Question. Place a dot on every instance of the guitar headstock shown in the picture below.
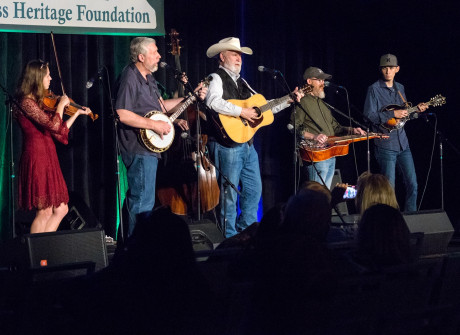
(437, 100)
(175, 47)
(206, 81)
(306, 89)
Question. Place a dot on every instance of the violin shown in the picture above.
(51, 100)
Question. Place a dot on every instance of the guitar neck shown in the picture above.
(356, 138)
(182, 107)
(415, 108)
(275, 102)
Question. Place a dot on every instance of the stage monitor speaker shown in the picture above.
(80, 216)
(57, 250)
(205, 235)
(342, 207)
(436, 227)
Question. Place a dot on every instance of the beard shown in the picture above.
(319, 92)
(236, 69)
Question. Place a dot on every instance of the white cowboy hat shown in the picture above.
(229, 43)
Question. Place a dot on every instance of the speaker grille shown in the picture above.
(66, 247)
(436, 227)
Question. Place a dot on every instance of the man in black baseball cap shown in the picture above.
(319, 123)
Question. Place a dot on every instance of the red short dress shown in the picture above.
(40, 179)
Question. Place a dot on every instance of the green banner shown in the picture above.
(108, 17)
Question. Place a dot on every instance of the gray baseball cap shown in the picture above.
(388, 60)
(315, 72)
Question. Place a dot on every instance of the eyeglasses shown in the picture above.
(317, 79)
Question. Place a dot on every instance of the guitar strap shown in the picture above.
(406, 104)
(245, 83)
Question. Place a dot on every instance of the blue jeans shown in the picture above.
(388, 161)
(240, 165)
(140, 198)
(325, 168)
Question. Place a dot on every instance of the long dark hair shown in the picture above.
(31, 81)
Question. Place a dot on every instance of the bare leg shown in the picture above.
(56, 217)
(41, 218)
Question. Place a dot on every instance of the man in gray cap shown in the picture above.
(394, 151)
(314, 121)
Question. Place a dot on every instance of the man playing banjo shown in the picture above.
(137, 95)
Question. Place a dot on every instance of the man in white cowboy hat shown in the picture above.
(239, 162)
(394, 151)
(319, 123)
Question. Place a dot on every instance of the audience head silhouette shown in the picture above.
(383, 237)
(374, 189)
(308, 212)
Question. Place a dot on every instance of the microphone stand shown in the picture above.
(226, 184)
(295, 154)
(9, 102)
(444, 139)
(116, 119)
(198, 140)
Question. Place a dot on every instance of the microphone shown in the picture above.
(329, 84)
(91, 81)
(165, 65)
(425, 115)
(290, 127)
(262, 68)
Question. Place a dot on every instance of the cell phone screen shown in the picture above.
(350, 192)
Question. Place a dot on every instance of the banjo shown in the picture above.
(151, 140)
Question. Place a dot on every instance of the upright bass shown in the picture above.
(188, 183)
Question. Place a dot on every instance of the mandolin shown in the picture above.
(395, 123)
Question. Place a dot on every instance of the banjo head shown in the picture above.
(152, 140)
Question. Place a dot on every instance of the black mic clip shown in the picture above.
(273, 72)
(332, 85)
(177, 74)
(91, 81)
(425, 116)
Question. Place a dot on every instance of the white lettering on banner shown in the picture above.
(107, 14)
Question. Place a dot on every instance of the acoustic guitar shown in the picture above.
(311, 150)
(151, 140)
(240, 130)
(395, 123)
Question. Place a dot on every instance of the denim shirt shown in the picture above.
(139, 96)
(379, 96)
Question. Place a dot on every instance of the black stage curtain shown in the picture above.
(344, 39)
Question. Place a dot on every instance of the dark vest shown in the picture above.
(231, 91)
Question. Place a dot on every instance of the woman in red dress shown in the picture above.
(41, 184)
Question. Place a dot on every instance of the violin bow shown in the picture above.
(57, 63)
